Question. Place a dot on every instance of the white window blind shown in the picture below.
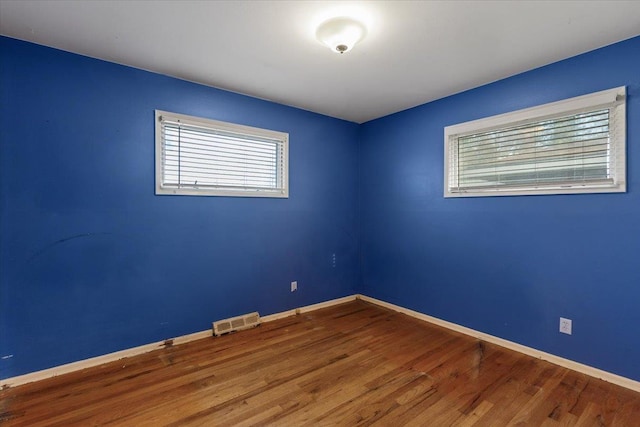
(205, 157)
(572, 146)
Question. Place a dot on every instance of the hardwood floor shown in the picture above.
(352, 364)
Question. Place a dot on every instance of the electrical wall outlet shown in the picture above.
(565, 326)
(294, 286)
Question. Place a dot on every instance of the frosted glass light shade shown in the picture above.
(340, 34)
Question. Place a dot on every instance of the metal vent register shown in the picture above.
(238, 323)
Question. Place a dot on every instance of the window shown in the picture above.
(571, 146)
(204, 157)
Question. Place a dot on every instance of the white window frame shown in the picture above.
(613, 99)
(282, 138)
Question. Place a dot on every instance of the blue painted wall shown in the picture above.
(93, 262)
(508, 266)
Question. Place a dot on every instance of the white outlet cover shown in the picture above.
(565, 326)
(294, 286)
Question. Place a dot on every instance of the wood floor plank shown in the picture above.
(471, 419)
(350, 364)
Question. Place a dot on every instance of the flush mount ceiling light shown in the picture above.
(340, 34)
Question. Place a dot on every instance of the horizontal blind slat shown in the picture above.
(573, 152)
(226, 157)
(571, 121)
(531, 142)
(556, 184)
(206, 143)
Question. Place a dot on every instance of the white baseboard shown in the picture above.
(99, 360)
(134, 351)
(307, 308)
(557, 360)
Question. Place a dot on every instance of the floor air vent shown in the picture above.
(238, 323)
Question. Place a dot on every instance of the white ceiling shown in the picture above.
(414, 52)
